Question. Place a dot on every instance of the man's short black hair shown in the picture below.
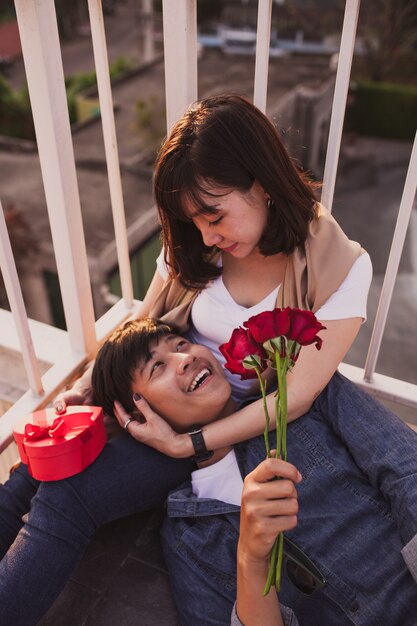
(118, 358)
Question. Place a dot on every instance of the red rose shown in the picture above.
(304, 328)
(241, 346)
(269, 324)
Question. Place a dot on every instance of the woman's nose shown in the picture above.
(209, 237)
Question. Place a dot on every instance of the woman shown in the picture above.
(243, 232)
(223, 184)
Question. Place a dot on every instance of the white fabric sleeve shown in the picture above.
(288, 616)
(161, 265)
(351, 297)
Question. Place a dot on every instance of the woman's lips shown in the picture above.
(229, 248)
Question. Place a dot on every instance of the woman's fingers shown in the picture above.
(59, 405)
(150, 429)
(68, 398)
(81, 393)
(121, 414)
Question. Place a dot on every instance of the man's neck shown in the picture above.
(230, 407)
(217, 456)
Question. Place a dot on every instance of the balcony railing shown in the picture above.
(45, 76)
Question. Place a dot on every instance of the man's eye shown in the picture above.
(155, 366)
(181, 344)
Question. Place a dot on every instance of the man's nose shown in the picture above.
(183, 362)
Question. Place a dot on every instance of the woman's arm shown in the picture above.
(268, 508)
(153, 290)
(310, 375)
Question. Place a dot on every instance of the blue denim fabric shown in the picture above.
(358, 507)
(126, 478)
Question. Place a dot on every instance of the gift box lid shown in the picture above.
(57, 446)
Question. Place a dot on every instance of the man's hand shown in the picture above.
(268, 507)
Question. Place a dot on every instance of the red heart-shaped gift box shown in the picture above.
(58, 446)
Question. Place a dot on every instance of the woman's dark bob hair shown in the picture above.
(226, 142)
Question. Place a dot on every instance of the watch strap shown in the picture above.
(200, 449)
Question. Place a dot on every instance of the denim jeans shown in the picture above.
(40, 550)
(357, 510)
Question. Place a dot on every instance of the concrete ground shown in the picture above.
(122, 579)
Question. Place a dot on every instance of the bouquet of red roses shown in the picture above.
(272, 338)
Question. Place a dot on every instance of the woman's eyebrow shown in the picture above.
(204, 209)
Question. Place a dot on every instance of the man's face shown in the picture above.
(183, 382)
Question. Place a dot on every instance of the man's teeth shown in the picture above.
(199, 379)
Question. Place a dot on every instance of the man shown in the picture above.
(356, 498)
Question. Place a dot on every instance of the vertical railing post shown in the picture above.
(148, 36)
(17, 305)
(263, 37)
(42, 57)
(180, 54)
(110, 146)
(347, 45)
(393, 264)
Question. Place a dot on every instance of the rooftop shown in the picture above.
(122, 578)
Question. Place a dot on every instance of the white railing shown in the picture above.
(43, 63)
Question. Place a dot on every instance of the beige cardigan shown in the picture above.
(314, 272)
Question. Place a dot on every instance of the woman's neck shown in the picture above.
(253, 278)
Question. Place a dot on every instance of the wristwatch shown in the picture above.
(201, 452)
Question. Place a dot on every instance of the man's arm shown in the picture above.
(268, 508)
(383, 447)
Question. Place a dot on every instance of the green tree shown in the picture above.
(389, 31)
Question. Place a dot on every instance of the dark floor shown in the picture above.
(121, 580)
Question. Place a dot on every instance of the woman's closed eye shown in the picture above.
(216, 221)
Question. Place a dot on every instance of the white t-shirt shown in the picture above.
(215, 314)
(221, 481)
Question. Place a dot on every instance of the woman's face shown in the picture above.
(233, 221)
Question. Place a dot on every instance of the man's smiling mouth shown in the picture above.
(199, 379)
